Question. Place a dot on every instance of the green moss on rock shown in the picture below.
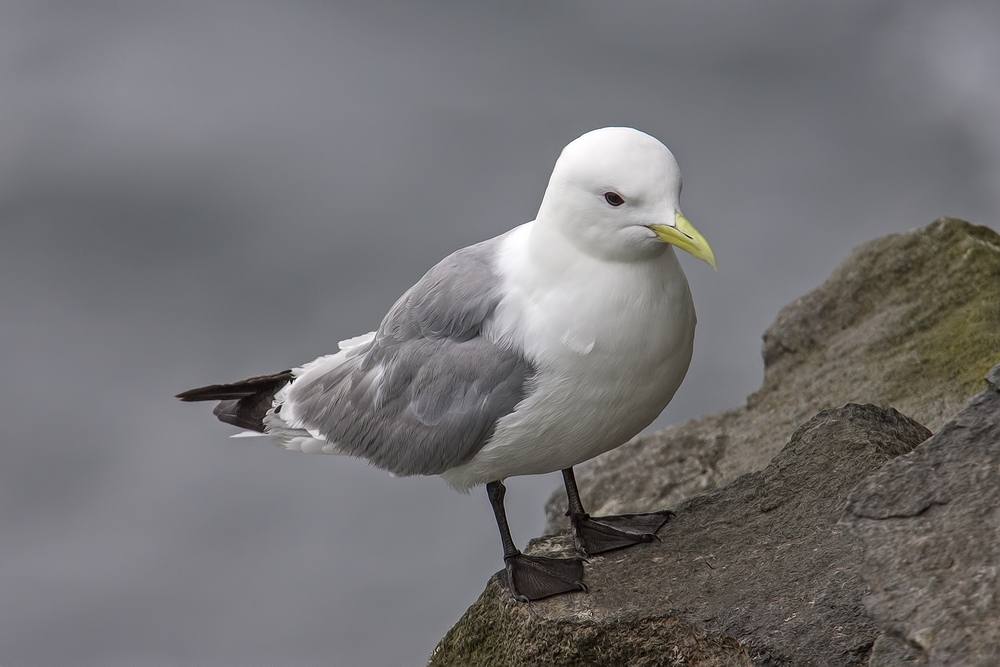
(951, 333)
(909, 320)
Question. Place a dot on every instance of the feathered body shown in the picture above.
(524, 354)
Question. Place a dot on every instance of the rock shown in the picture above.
(929, 523)
(908, 321)
(758, 572)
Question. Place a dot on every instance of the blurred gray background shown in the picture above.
(196, 192)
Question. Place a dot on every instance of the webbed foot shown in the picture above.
(537, 577)
(598, 534)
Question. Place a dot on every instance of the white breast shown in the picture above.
(611, 342)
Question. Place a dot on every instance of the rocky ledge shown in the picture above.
(848, 548)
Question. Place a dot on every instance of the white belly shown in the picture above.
(611, 348)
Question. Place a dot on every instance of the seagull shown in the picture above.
(521, 355)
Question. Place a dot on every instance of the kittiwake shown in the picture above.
(524, 354)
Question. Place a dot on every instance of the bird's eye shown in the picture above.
(613, 198)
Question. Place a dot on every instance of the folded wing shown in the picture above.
(425, 393)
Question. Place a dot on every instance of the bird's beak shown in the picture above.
(683, 235)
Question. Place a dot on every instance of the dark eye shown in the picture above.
(613, 198)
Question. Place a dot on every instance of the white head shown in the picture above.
(615, 194)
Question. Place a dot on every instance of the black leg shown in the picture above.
(496, 492)
(533, 577)
(595, 535)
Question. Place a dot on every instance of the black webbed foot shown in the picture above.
(533, 577)
(595, 535)
(537, 577)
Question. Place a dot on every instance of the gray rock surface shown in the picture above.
(929, 523)
(908, 321)
(758, 572)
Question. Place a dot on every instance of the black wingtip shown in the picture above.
(245, 403)
(212, 392)
(237, 390)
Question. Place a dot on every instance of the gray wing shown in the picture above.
(425, 394)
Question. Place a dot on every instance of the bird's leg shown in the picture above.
(533, 577)
(595, 535)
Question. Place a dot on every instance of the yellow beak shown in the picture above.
(683, 235)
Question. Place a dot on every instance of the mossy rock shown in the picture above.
(928, 302)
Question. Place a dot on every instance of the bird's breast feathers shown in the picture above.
(610, 349)
(593, 318)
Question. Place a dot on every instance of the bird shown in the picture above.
(524, 354)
